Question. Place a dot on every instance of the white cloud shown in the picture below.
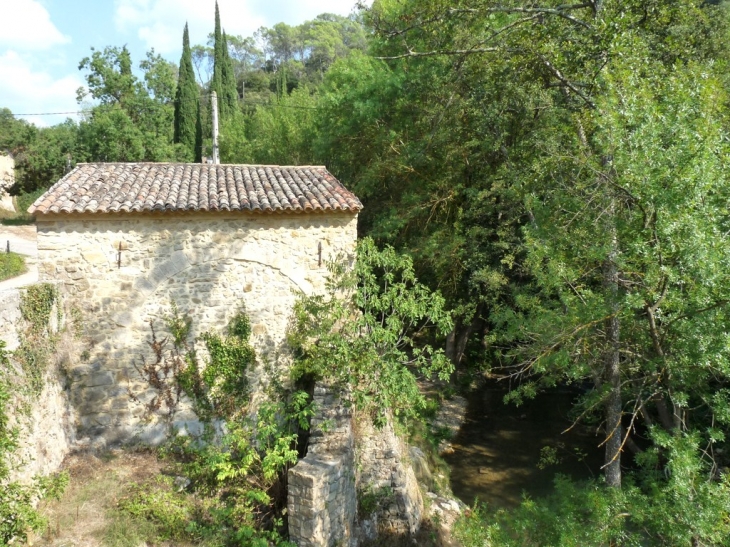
(295, 12)
(159, 23)
(26, 90)
(27, 26)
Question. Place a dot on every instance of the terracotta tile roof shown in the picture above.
(150, 187)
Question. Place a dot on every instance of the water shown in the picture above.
(497, 451)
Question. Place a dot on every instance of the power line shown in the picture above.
(266, 105)
(48, 113)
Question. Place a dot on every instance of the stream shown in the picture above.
(497, 450)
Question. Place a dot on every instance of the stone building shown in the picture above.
(125, 241)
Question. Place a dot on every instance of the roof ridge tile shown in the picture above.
(138, 187)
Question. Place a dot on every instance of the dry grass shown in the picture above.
(86, 516)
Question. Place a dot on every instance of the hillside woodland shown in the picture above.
(557, 177)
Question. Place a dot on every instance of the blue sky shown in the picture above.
(42, 41)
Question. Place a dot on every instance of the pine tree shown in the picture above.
(187, 101)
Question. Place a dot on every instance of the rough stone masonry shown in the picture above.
(122, 273)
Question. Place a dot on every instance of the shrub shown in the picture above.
(11, 265)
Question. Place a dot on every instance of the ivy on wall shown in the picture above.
(18, 516)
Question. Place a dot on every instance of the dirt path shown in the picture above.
(22, 240)
(84, 516)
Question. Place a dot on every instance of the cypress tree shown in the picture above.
(224, 80)
(216, 82)
(228, 76)
(198, 136)
(187, 101)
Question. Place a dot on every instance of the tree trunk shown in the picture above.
(614, 408)
(451, 345)
(457, 339)
(612, 362)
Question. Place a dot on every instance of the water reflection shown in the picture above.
(497, 450)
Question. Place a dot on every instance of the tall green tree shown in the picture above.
(41, 154)
(223, 81)
(596, 296)
(229, 97)
(134, 119)
(187, 127)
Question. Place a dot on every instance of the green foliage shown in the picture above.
(109, 134)
(237, 478)
(124, 530)
(25, 200)
(179, 326)
(8, 437)
(237, 467)
(229, 91)
(134, 120)
(40, 154)
(220, 388)
(367, 334)
(160, 504)
(372, 499)
(110, 79)
(18, 515)
(423, 150)
(14, 133)
(223, 81)
(591, 514)
(187, 129)
(36, 305)
(37, 342)
(281, 133)
(11, 265)
(43, 159)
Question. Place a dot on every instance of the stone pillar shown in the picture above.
(322, 502)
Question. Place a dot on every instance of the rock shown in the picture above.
(445, 447)
(419, 462)
(181, 483)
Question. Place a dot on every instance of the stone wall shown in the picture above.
(322, 501)
(386, 475)
(45, 423)
(348, 458)
(9, 317)
(47, 433)
(7, 178)
(123, 271)
(7, 172)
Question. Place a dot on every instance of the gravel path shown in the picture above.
(22, 240)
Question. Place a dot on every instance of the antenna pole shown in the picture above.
(214, 104)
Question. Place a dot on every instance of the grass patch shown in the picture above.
(124, 530)
(88, 512)
(11, 265)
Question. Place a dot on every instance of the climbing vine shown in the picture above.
(17, 513)
(18, 516)
(36, 305)
(236, 473)
(37, 342)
